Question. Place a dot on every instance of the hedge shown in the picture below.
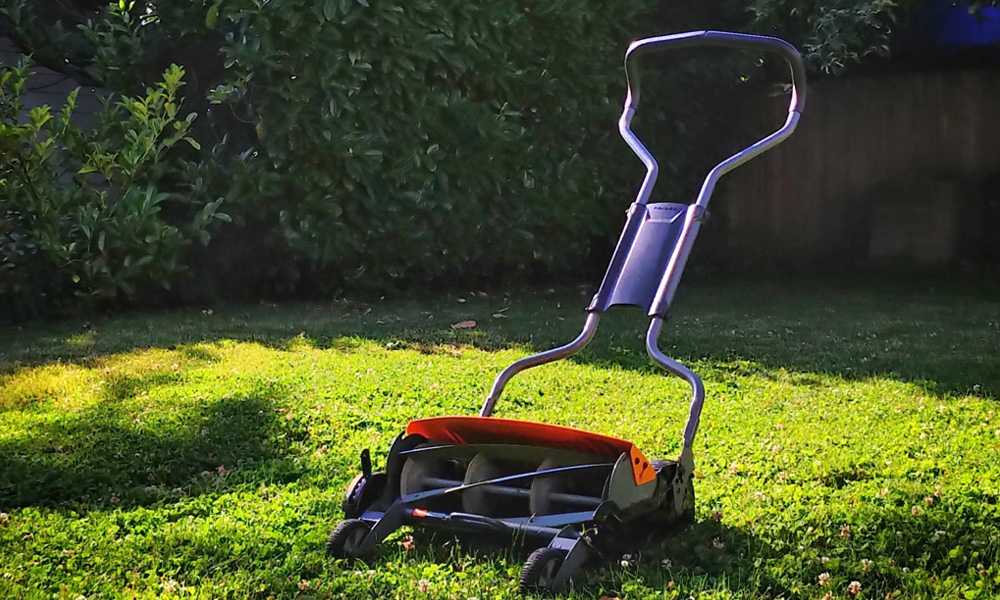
(405, 141)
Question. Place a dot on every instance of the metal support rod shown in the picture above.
(676, 368)
(589, 329)
(509, 525)
(678, 260)
(516, 492)
(419, 496)
(746, 155)
(647, 158)
(440, 482)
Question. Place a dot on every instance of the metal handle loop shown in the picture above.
(716, 38)
(708, 38)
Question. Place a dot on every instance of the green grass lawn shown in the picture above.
(850, 434)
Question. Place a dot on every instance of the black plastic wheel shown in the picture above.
(346, 538)
(540, 570)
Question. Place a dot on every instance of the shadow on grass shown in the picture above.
(106, 451)
(887, 547)
(123, 387)
(707, 555)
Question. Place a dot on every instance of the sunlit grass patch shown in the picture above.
(70, 386)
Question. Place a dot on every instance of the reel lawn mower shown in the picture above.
(568, 492)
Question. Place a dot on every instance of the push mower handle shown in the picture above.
(659, 304)
(709, 38)
(716, 38)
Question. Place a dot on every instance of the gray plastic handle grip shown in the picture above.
(716, 38)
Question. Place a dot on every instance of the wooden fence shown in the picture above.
(896, 166)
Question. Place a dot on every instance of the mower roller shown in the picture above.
(571, 494)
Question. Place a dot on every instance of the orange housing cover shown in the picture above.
(490, 430)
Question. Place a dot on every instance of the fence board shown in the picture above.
(859, 140)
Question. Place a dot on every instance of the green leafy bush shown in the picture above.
(363, 142)
(417, 140)
(92, 213)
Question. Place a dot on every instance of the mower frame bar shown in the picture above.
(519, 492)
(546, 527)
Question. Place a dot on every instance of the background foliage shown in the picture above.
(97, 213)
(376, 143)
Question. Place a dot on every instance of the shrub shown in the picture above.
(93, 214)
(416, 140)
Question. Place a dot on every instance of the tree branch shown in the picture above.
(59, 64)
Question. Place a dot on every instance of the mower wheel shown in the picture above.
(540, 570)
(346, 538)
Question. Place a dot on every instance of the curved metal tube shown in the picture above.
(721, 39)
(647, 158)
(672, 275)
(589, 329)
(671, 365)
(746, 155)
(707, 38)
